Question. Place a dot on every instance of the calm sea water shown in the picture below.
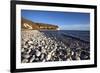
(83, 35)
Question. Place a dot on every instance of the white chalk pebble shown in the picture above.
(26, 56)
(24, 60)
(38, 53)
(22, 50)
(72, 53)
(32, 59)
(29, 50)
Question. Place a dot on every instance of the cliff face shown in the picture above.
(27, 24)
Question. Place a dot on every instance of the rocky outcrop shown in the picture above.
(27, 24)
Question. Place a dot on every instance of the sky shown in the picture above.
(64, 20)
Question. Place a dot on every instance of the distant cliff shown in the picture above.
(27, 24)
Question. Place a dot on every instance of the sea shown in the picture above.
(78, 34)
(82, 35)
